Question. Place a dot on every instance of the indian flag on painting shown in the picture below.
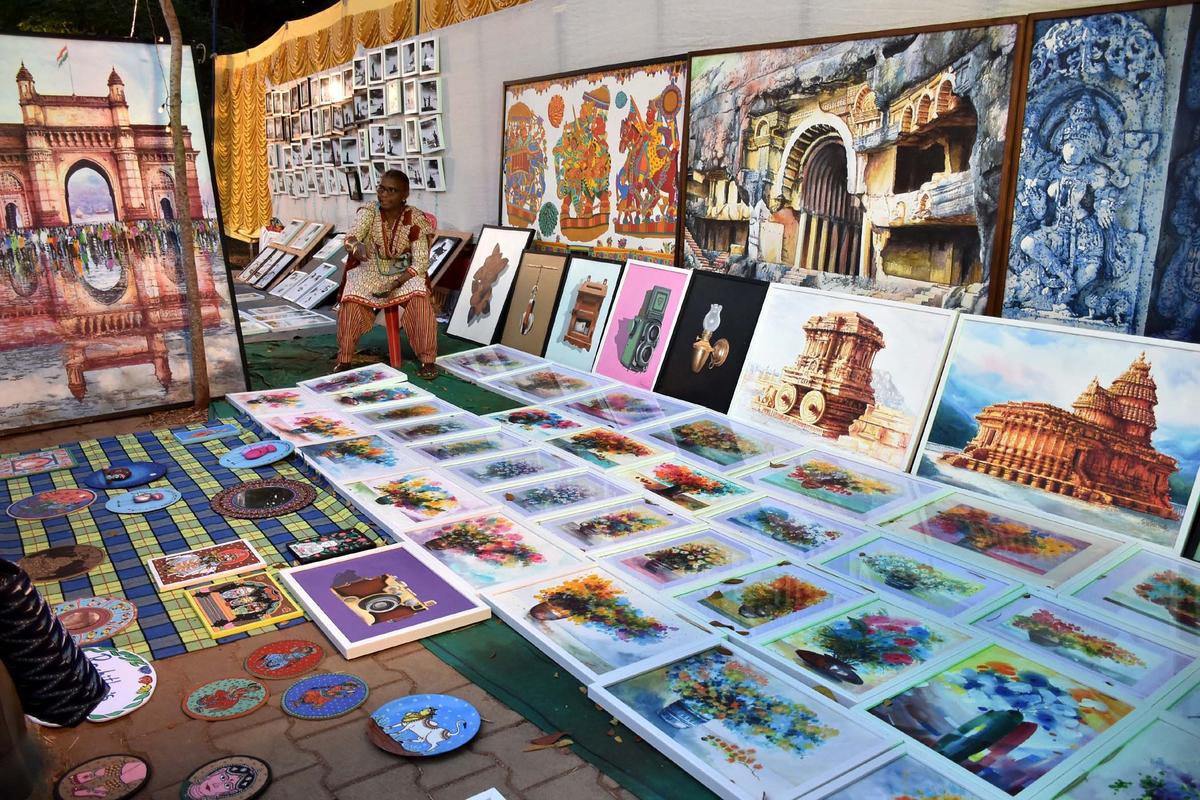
(62, 56)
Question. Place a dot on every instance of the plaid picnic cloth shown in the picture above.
(166, 623)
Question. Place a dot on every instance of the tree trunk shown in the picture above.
(183, 215)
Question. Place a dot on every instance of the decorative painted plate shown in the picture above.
(287, 658)
(125, 475)
(325, 696)
(207, 434)
(143, 501)
(52, 503)
(226, 698)
(423, 724)
(229, 778)
(62, 562)
(273, 497)
(112, 777)
(130, 678)
(91, 620)
(257, 454)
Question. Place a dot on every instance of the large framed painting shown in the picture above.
(591, 159)
(591, 621)
(1094, 427)
(858, 376)
(587, 295)
(737, 725)
(490, 276)
(94, 310)
(641, 322)
(868, 164)
(1105, 211)
(979, 714)
(534, 300)
(705, 356)
(370, 601)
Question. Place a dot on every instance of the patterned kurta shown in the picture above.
(391, 249)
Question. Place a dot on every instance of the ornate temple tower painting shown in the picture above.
(868, 166)
(1104, 215)
(93, 302)
(1091, 427)
(603, 172)
(845, 372)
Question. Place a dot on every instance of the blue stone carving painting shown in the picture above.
(1097, 144)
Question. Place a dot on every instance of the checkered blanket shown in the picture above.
(166, 623)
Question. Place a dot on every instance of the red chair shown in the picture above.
(391, 314)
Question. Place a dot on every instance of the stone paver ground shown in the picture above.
(331, 759)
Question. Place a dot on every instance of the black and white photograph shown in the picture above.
(376, 107)
(429, 93)
(408, 58)
(353, 185)
(337, 91)
(430, 62)
(416, 175)
(395, 141)
(431, 134)
(332, 185)
(394, 97)
(324, 93)
(391, 61)
(411, 102)
(377, 139)
(412, 135)
(326, 152)
(377, 170)
(375, 66)
(349, 148)
(435, 176)
(294, 98)
(366, 178)
(360, 107)
(442, 247)
(360, 73)
(305, 123)
(305, 93)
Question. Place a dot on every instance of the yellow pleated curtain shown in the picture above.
(301, 48)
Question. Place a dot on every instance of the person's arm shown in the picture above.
(419, 235)
(359, 233)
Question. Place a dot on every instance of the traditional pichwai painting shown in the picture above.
(592, 160)
(1105, 215)
(869, 165)
(93, 305)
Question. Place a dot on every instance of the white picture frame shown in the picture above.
(429, 56)
(432, 138)
(435, 174)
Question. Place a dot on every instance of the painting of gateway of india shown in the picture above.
(871, 166)
(92, 295)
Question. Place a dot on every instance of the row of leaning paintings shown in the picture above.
(777, 619)
(892, 164)
(1089, 426)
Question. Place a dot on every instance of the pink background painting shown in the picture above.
(640, 278)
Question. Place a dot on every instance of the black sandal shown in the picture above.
(428, 372)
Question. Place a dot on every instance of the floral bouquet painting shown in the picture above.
(690, 487)
(349, 380)
(417, 497)
(758, 731)
(767, 598)
(1007, 719)
(274, 400)
(470, 446)
(686, 558)
(559, 493)
(547, 384)
(406, 413)
(840, 483)
(355, 458)
(624, 408)
(312, 427)
(712, 440)
(486, 362)
(780, 523)
(1164, 591)
(1156, 763)
(867, 647)
(605, 448)
(373, 395)
(537, 420)
(594, 601)
(630, 521)
(505, 469)
(489, 549)
(1176, 594)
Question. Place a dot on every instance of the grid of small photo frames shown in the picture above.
(336, 132)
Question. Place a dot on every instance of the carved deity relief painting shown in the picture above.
(93, 305)
(1105, 214)
(1094, 428)
(866, 166)
(592, 160)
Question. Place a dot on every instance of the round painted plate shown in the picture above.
(113, 777)
(52, 503)
(125, 475)
(130, 680)
(143, 501)
(324, 696)
(91, 620)
(424, 724)
(229, 778)
(272, 497)
(288, 658)
(257, 454)
(226, 698)
(60, 563)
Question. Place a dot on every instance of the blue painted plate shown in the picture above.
(257, 454)
(125, 475)
(324, 696)
(206, 434)
(143, 501)
(427, 724)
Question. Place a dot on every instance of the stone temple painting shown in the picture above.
(592, 160)
(1105, 216)
(1093, 428)
(869, 166)
(93, 305)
